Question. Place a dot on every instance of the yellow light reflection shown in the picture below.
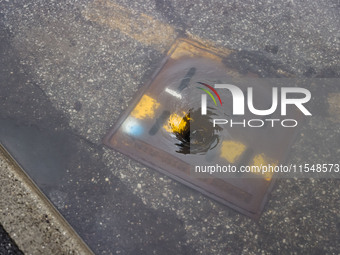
(262, 160)
(145, 108)
(177, 123)
(232, 150)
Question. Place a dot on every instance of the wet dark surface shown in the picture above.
(7, 245)
(45, 155)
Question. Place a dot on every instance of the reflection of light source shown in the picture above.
(178, 123)
(173, 93)
(132, 127)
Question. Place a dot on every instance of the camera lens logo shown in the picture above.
(204, 97)
(239, 104)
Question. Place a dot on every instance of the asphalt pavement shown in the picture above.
(70, 68)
